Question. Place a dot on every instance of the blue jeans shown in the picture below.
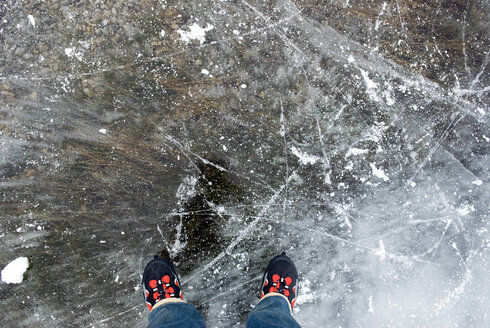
(271, 312)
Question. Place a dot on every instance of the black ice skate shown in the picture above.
(281, 277)
(160, 282)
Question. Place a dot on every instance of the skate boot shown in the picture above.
(160, 282)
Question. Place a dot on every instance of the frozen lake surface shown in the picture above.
(353, 135)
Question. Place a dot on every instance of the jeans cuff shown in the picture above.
(167, 301)
(278, 294)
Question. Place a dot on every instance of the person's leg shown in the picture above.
(278, 296)
(175, 315)
(163, 296)
(272, 312)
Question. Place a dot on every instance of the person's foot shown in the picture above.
(281, 277)
(160, 282)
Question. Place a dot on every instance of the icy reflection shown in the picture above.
(220, 133)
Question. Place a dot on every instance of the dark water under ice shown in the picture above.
(353, 135)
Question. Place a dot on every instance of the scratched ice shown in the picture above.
(353, 136)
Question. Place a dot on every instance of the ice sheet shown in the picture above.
(352, 135)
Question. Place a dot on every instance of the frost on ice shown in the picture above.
(13, 273)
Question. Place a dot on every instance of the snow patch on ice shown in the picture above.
(304, 158)
(465, 210)
(32, 21)
(376, 132)
(195, 33)
(355, 152)
(378, 172)
(388, 97)
(306, 295)
(381, 251)
(371, 86)
(14, 271)
(72, 52)
(180, 241)
(186, 190)
(370, 300)
(69, 51)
